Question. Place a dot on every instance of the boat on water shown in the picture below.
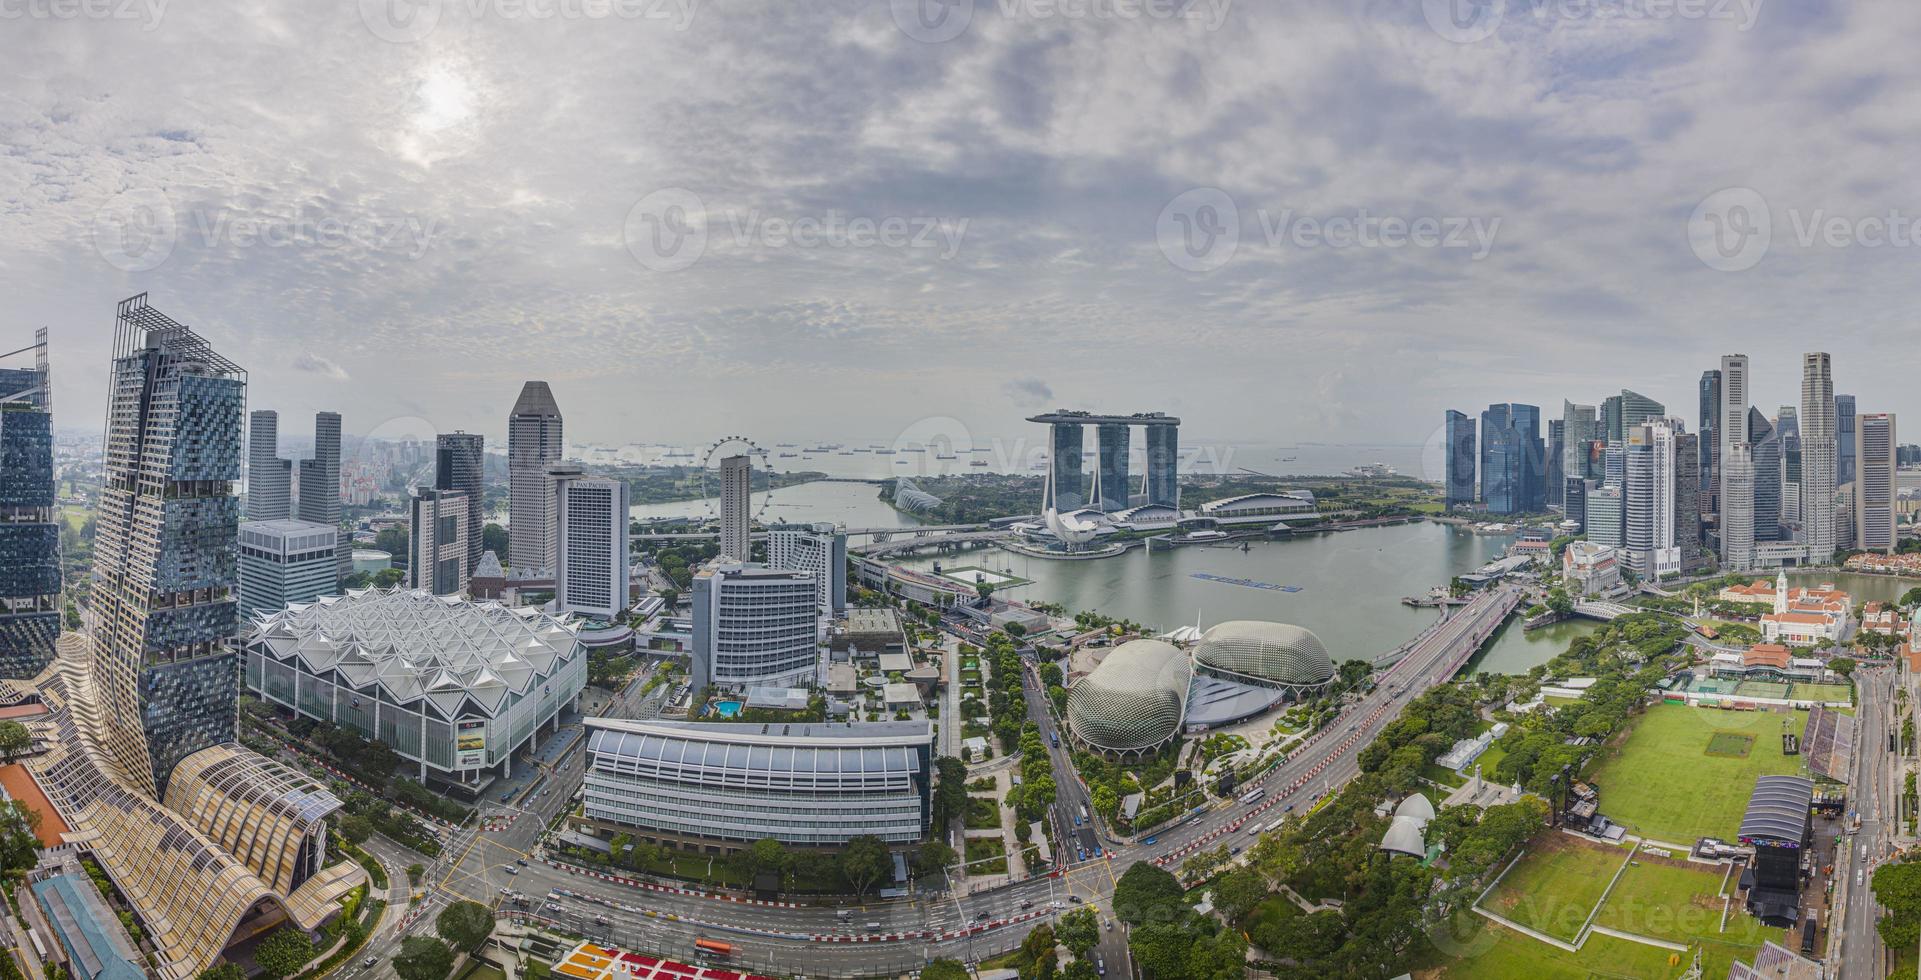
(914, 449)
(883, 452)
(786, 455)
(945, 456)
(977, 462)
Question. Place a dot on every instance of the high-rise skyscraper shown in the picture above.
(591, 563)
(1874, 482)
(1114, 440)
(1610, 425)
(163, 598)
(533, 445)
(29, 536)
(1556, 452)
(1687, 501)
(1765, 454)
(736, 515)
(1844, 452)
(320, 487)
(1575, 497)
(437, 541)
(1787, 428)
(1651, 500)
(1163, 481)
(1069, 472)
(1637, 408)
(1737, 467)
(1820, 467)
(269, 477)
(1604, 517)
(284, 562)
(819, 549)
(1577, 430)
(1710, 445)
(1460, 460)
(460, 463)
(1513, 463)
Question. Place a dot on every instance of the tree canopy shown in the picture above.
(465, 925)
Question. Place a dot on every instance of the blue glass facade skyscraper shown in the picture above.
(1070, 475)
(1765, 446)
(1513, 460)
(1164, 465)
(165, 558)
(1460, 460)
(1844, 461)
(1114, 443)
(29, 538)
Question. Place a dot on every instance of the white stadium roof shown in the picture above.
(416, 645)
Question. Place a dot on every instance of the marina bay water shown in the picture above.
(1350, 583)
(1350, 586)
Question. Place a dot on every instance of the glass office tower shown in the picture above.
(29, 537)
(165, 563)
(1113, 439)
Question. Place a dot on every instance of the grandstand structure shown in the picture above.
(1827, 740)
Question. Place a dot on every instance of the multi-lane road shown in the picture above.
(1873, 795)
(877, 937)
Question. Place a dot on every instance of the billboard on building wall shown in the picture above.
(470, 744)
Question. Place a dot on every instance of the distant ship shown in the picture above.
(977, 462)
(1372, 470)
(945, 456)
(1289, 459)
(783, 445)
(883, 452)
(786, 455)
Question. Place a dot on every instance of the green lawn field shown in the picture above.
(1495, 953)
(1556, 884)
(1662, 783)
(1681, 902)
(1823, 692)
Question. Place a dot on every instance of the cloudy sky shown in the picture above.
(1285, 222)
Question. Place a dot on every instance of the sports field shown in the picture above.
(1556, 884)
(1664, 783)
(1680, 902)
(1823, 692)
(1491, 952)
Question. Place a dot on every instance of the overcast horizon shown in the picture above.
(1325, 223)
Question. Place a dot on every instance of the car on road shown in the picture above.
(370, 961)
(1027, 903)
(510, 869)
(1150, 840)
(1076, 899)
(553, 906)
(521, 861)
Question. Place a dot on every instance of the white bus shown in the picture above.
(1253, 795)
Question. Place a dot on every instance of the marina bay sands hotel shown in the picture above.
(1111, 487)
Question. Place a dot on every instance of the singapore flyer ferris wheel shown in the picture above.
(727, 447)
